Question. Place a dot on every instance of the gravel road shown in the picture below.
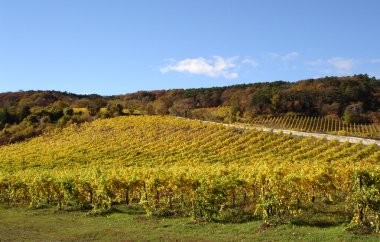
(340, 138)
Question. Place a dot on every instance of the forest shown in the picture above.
(352, 99)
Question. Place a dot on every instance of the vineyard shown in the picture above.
(320, 125)
(179, 167)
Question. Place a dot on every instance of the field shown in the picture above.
(320, 125)
(186, 170)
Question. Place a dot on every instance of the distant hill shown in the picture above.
(352, 99)
(39, 98)
(312, 97)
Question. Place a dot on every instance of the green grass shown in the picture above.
(20, 224)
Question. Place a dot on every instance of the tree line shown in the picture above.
(355, 99)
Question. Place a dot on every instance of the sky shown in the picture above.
(114, 47)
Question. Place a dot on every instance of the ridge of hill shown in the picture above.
(353, 100)
(312, 97)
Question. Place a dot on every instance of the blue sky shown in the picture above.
(114, 47)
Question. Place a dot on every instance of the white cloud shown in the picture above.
(273, 55)
(375, 61)
(290, 56)
(316, 62)
(215, 67)
(342, 65)
(250, 62)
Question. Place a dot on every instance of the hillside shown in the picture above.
(312, 97)
(179, 167)
(350, 101)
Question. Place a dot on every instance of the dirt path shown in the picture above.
(340, 138)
